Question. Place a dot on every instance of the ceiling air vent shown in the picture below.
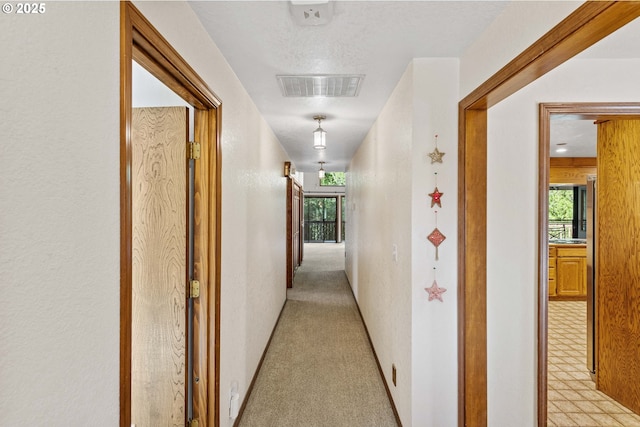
(328, 85)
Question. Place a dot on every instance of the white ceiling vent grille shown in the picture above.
(328, 85)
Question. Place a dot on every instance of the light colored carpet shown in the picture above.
(319, 370)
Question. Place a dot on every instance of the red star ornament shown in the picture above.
(435, 292)
(435, 197)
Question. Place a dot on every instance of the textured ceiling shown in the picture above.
(376, 38)
(260, 40)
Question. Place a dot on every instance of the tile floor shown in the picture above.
(572, 397)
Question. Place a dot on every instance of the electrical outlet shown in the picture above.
(393, 374)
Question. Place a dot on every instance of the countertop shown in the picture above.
(568, 242)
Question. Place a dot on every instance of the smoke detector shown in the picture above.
(312, 12)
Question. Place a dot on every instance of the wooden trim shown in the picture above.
(160, 58)
(588, 24)
(289, 220)
(236, 423)
(544, 128)
(125, 217)
(582, 111)
(570, 170)
(472, 294)
(575, 162)
(140, 41)
(215, 257)
(201, 265)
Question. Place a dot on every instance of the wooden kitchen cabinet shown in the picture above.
(552, 271)
(570, 277)
(568, 272)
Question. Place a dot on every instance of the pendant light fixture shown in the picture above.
(321, 171)
(319, 135)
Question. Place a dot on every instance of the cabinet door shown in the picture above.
(552, 279)
(552, 271)
(570, 276)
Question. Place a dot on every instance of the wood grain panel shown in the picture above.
(570, 174)
(570, 276)
(618, 261)
(201, 268)
(472, 265)
(159, 273)
(206, 268)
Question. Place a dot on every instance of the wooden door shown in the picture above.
(297, 225)
(294, 228)
(618, 262)
(159, 268)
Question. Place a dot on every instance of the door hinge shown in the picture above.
(193, 423)
(194, 150)
(194, 289)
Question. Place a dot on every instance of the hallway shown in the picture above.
(319, 369)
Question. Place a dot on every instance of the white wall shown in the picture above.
(59, 212)
(434, 324)
(388, 183)
(379, 200)
(59, 216)
(253, 201)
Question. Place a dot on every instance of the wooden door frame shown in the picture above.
(141, 42)
(576, 111)
(588, 24)
(292, 262)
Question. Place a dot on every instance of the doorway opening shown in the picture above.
(549, 378)
(196, 281)
(588, 24)
(324, 219)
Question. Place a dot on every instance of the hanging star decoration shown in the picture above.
(435, 197)
(436, 155)
(435, 292)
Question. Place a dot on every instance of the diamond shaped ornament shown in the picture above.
(436, 237)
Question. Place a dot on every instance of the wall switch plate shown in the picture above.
(394, 252)
(234, 401)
